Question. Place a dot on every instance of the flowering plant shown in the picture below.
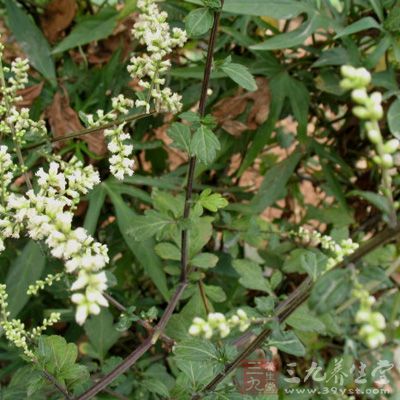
(221, 186)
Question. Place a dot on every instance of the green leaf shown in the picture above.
(102, 333)
(241, 75)
(358, 26)
(309, 264)
(293, 38)
(274, 184)
(205, 145)
(56, 354)
(212, 201)
(96, 201)
(303, 320)
(379, 201)
(279, 9)
(330, 291)
(24, 271)
(168, 251)
(251, 276)
(156, 386)
(89, 29)
(181, 136)
(287, 342)
(199, 21)
(204, 260)
(144, 227)
(213, 4)
(196, 350)
(394, 118)
(143, 250)
(31, 39)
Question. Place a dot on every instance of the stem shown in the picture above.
(168, 341)
(159, 328)
(54, 382)
(74, 135)
(295, 299)
(137, 353)
(192, 161)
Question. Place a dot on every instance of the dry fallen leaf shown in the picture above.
(29, 94)
(228, 109)
(57, 16)
(64, 120)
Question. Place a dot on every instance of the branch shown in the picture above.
(55, 383)
(295, 299)
(159, 328)
(166, 339)
(83, 132)
(137, 353)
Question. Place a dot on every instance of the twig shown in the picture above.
(159, 328)
(54, 382)
(295, 299)
(166, 339)
(83, 132)
(137, 353)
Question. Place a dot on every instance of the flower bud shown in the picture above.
(391, 146)
(348, 71)
(387, 161)
(361, 112)
(378, 320)
(374, 136)
(359, 95)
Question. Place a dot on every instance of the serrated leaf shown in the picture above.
(204, 260)
(303, 320)
(241, 75)
(205, 145)
(199, 21)
(309, 263)
(287, 342)
(101, 332)
(330, 291)
(143, 250)
(31, 40)
(56, 353)
(146, 226)
(181, 136)
(251, 276)
(212, 201)
(197, 350)
(24, 271)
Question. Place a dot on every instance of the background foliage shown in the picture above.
(283, 149)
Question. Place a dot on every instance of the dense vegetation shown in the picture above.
(182, 196)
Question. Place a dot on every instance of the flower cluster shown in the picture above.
(372, 322)
(14, 329)
(338, 250)
(121, 163)
(153, 31)
(15, 122)
(44, 217)
(217, 322)
(369, 108)
(42, 283)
